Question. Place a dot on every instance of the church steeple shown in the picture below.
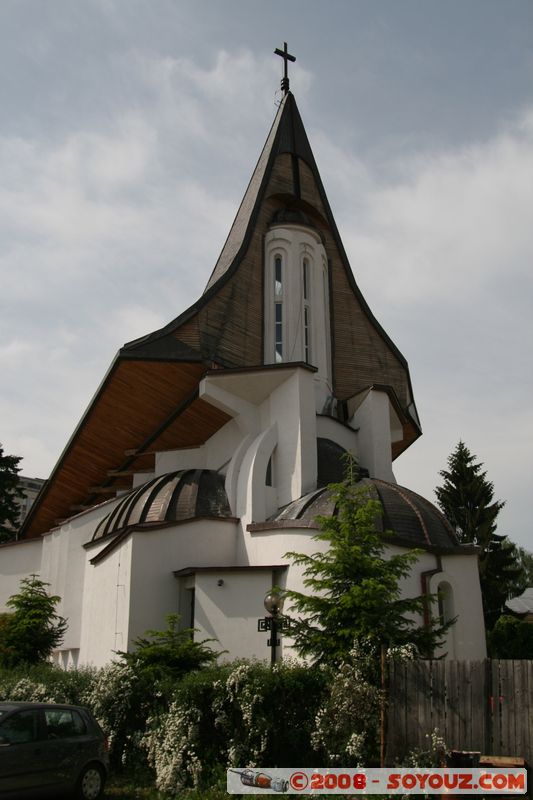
(287, 135)
(229, 326)
(150, 399)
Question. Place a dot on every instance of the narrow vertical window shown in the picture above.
(268, 477)
(305, 278)
(307, 335)
(278, 309)
(278, 332)
(278, 283)
(307, 311)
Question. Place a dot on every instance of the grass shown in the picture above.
(124, 788)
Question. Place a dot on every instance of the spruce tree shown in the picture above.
(10, 495)
(466, 498)
(33, 629)
(355, 595)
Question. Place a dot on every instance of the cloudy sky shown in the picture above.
(129, 130)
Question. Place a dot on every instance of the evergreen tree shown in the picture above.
(169, 654)
(30, 633)
(355, 594)
(10, 494)
(466, 498)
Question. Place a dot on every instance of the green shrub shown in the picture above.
(118, 699)
(163, 657)
(44, 683)
(30, 633)
(511, 638)
(243, 714)
(185, 735)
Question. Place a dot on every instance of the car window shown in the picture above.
(20, 727)
(62, 723)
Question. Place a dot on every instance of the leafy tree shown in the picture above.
(355, 593)
(501, 577)
(466, 497)
(30, 633)
(525, 559)
(511, 638)
(169, 654)
(10, 494)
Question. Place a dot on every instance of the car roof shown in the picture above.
(9, 705)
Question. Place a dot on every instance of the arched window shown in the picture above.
(446, 603)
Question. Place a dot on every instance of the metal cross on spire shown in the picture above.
(286, 56)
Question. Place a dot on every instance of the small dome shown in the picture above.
(174, 497)
(415, 521)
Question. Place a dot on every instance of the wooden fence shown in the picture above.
(475, 705)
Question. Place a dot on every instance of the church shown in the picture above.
(206, 453)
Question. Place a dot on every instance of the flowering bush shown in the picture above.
(171, 748)
(243, 714)
(347, 723)
(46, 684)
(121, 707)
(433, 756)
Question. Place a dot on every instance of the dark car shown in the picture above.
(48, 749)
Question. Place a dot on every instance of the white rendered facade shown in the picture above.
(112, 602)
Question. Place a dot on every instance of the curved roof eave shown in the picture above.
(189, 356)
(46, 486)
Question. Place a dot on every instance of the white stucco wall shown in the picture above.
(64, 564)
(343, 435)
(466, 639)
(173, 460)
(373, 418)
(106, 603)
(278, 419)
(157, 554)
(133, 588)
(292, 406)
(229, 613)
(215, 454)
(17, 561)
(59, 559)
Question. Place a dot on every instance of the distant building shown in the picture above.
(31, 488)
(522, 606)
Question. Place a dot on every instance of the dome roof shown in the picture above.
(414, 521)
(174, 497)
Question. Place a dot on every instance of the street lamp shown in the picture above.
(273, 604)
